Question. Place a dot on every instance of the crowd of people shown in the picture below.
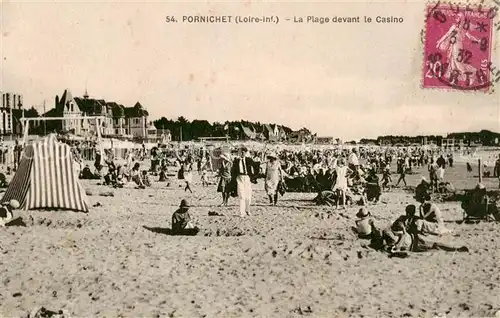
(337, 175)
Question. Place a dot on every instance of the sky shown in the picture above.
(343, 80)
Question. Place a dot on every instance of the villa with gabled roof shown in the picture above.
(119, 120)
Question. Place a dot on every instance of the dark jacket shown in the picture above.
(250, 165)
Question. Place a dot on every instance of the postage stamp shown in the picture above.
(458, 47)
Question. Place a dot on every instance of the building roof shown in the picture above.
(248, 132)
(136, 111)
(65, 98)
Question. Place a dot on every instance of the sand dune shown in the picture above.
(293, 260)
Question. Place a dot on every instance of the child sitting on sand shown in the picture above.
(365, 224)
(181, 221)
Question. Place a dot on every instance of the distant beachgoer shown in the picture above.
(469, 168)
(97, 163)
(18, 149)
(341, 184)
(386, 177)
(187, 168)
(274, 175)
(441, 162)
(373, 191)
(353, 161)
(433, 175)
(402, 176)
(224, 186)
(204, 177)
(181, 221)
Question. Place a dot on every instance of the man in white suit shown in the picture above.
(243, 172)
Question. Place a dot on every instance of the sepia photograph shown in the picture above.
(250, 158)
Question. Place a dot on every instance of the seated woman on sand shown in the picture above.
(430, 220)
(181, 221)
(136, 176)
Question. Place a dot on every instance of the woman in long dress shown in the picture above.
(274, 175)
(225, 178)
(341, 184)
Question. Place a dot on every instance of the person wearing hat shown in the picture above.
(274, 175)
(243, 172)
(181, 221)
(224, 186)
(6, 212)
(364, 224)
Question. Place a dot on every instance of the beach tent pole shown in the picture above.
(26, 128)
(480, 170)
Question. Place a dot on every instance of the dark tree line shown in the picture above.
(484, 137)
(192, 130)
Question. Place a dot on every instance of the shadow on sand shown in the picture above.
(167, 231)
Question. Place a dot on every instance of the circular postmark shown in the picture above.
(458, 47)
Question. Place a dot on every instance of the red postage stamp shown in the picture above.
(458, 47)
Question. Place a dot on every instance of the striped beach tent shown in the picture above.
(45, 178)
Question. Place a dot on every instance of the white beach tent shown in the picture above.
(45, 178)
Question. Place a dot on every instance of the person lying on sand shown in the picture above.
(364, 224)
(6, 212)
(181, 221)
(430, 220)
(404, 236)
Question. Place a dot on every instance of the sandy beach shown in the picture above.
(288, 261)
